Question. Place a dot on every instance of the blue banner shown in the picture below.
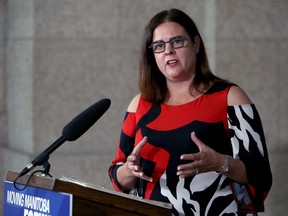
(35, 202)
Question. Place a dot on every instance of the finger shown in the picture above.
(142, 176)
(188, 173)
(197, 141)
(188, 166)
(192, 157)
(133, 167)
(131, 158)
(139, 146)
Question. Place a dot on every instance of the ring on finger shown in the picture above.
(196, 171)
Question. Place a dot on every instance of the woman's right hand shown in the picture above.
(128, 174)
(133, 161)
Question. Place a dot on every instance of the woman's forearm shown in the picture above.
(237, 170)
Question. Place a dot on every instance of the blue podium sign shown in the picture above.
(35, 202)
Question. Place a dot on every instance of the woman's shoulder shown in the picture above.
(237, 96)
(134, 103)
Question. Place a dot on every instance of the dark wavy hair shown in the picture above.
(152, 82)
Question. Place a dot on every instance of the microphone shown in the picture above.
(72, 131)
(81, 123)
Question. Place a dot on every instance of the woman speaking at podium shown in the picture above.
(190, 138)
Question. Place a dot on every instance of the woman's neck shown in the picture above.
(180, 93)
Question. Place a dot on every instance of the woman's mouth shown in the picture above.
(172, 62)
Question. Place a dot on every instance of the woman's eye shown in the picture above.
(158, 46)
(177, 41)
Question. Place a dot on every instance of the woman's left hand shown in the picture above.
(206, 160)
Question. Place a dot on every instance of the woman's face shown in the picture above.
(176, 64)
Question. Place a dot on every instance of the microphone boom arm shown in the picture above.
(72, 131)
(43, 157)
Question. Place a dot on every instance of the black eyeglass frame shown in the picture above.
(170, 41)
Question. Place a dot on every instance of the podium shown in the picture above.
(89, 199)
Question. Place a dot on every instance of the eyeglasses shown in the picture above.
(175, 42)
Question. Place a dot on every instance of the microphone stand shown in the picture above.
(42, 158)
(46, 167)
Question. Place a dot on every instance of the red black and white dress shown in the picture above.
(230, 130)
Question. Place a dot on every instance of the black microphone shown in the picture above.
(81, 123)
(72, 131)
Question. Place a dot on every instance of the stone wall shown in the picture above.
(59, 57)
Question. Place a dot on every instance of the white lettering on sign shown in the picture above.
(15, 198)
(37, 203)
(28, 212)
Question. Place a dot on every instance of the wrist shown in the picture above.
(225, 165)
(125, 177)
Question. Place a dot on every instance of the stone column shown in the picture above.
(19, 79)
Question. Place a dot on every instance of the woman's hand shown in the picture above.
(133, 161)
(205, 160)
(128, 174)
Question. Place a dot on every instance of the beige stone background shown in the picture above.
(57, 57)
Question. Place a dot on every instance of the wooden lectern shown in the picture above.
(92, 200)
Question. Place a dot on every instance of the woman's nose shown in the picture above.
(169, 49)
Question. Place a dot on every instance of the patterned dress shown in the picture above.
(230, 130)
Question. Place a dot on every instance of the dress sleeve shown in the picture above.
(248, 144)
(125, 148)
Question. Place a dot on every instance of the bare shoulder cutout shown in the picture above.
(134, 104)
(237, 96)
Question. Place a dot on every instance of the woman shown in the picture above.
(190, 138)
